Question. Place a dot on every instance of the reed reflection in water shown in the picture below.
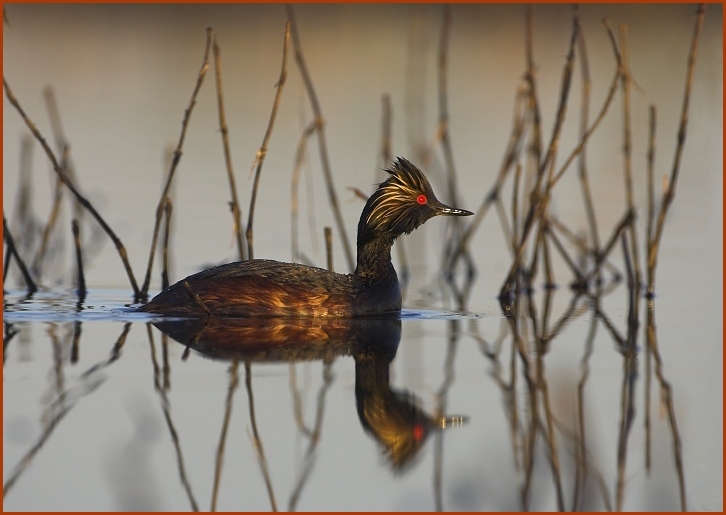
(594, 442)
(515, 359)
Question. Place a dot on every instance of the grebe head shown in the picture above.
(400, 204)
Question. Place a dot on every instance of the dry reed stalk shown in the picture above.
(387, 158)
(581, 471)
(79, 261)
(654, 244)
(386, 130)
(196, 298)
(582, 246)
(602, 256)
(12, 251)
(256, 442)
(37, 266)
(511, 157)
(27, 225)
(507, 231)
(652, 116)
(515, 210)
(61, 141)
(297, 167)
(563, 252)
(532, 101)
(234, 204)
(62, 148)
(630, 372)
(233, 381)
(320, 129)
(6, 265)
(85, 203)
(626, 80)
(454, 223)
(666, 401)
(537, 206)
(176, 157)
(329, 247)
(582, 158)
(444, 110)
(262, 152)
(649, 318)
(165, 249)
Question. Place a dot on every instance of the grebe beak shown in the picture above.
(443, 209)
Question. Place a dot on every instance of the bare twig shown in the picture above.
(329, 247)
(165, 249)
(79, 261)
(511, 157)
(196, 298)
(537, 206)
(117, 242)
(626, 80)
(582, 159)
(652, 116)
(320, 129)
(666, 398)
(654, 245)
(234, 204)
(299, 159)
(37, 266)
(387, 157)
(32, 287)
(262, 152)
(176, 157)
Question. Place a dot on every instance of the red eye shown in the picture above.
(421, 199)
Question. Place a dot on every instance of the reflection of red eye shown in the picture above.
(418, 431)
(421, 199)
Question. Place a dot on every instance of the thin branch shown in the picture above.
(176, 157)
(234, 204)
(299, 159)
(262, 152)
(320, 129)
(79, 261)
(654, 245)
(32, 287)
(63, 177)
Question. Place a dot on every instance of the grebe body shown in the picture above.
(262, 287)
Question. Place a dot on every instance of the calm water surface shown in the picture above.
(107, 409)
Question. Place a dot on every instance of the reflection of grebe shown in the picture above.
(271, 288)
(392, 417)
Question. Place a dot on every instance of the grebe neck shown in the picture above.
(374, 260)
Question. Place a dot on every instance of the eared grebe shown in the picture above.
(262, 287)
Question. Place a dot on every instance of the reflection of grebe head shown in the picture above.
(401, 426)
(398, 424)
